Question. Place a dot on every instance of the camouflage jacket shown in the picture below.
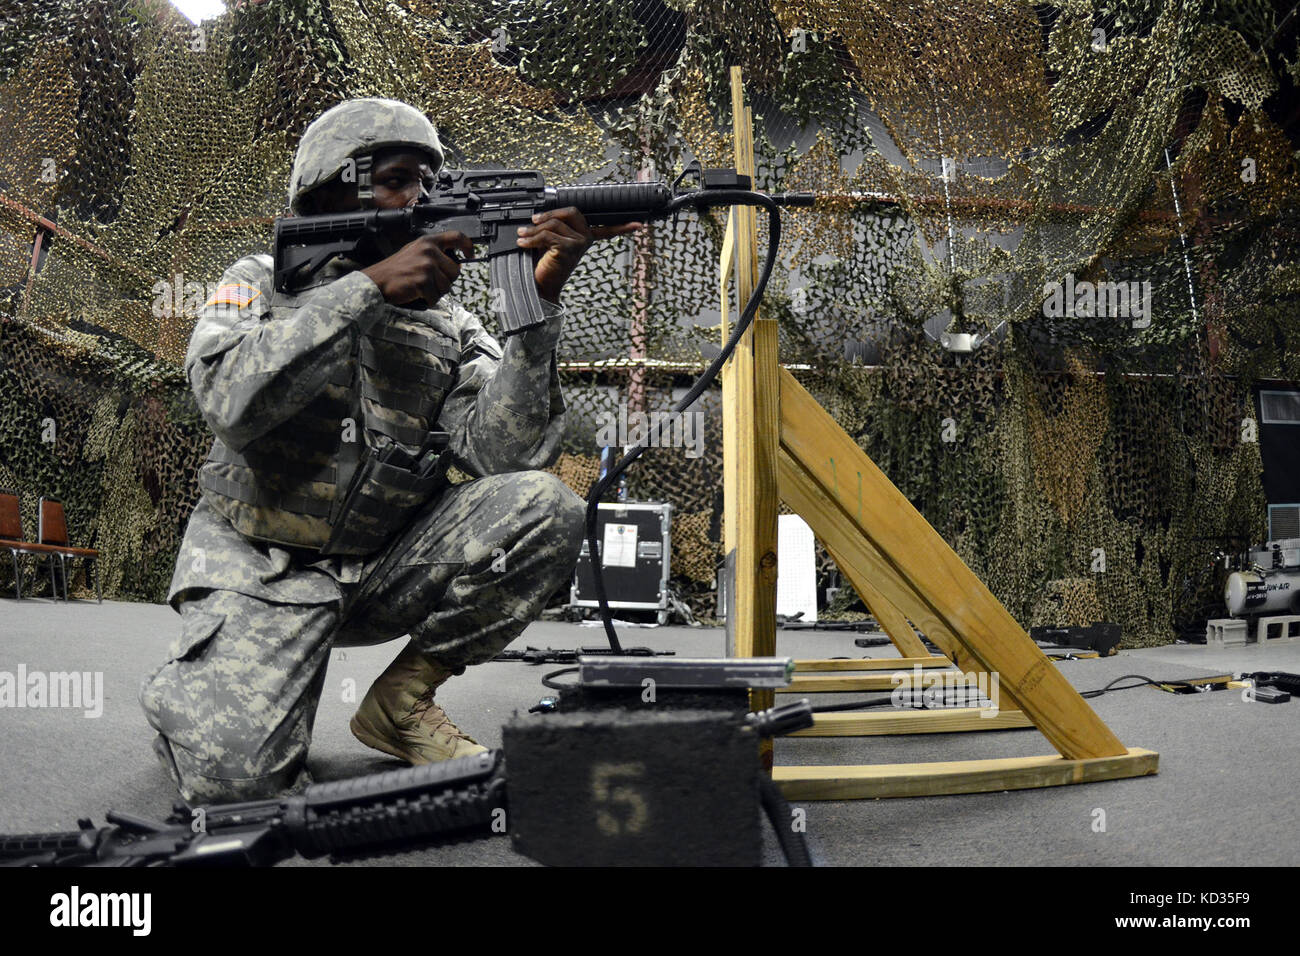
(252, 371)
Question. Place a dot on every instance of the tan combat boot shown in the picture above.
(398, 715)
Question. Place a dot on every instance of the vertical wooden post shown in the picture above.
(751, 422)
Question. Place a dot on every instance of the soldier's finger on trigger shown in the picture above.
(440, 261)
(453, 240)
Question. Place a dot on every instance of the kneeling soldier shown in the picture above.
(325, 518)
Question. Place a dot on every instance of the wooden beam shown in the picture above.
(838, 683)
(958, 776)
(948, 720)
(948, 602)
(894, 621)
(828, 520)
(731, 439)
(870, 663)
(751, 419)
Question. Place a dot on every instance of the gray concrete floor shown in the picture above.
(1226, 793)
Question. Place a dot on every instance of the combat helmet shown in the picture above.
(356, 130)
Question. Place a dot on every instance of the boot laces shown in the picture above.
(430, 713)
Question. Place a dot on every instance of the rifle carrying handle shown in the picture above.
(521, 309)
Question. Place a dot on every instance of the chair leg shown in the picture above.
(99, 596)
(58, 569)
(63, 574)
(18, 577)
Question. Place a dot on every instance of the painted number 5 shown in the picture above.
(620, 809)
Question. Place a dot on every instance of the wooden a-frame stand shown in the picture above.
(779, 442)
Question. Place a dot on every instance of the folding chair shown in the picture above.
(12, 539)
(52, 534)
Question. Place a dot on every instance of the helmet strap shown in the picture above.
(365, 189)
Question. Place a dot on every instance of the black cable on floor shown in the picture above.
(1144, 682)
(548, 682)
(950, 702)
(853, 705)
(793, 845)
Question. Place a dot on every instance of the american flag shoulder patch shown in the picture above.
(237, 294)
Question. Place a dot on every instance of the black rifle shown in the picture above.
(553, 655)
(489, 206)
(380, 813)
(1290, 683)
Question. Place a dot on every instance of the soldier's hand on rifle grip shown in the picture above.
(421, 270)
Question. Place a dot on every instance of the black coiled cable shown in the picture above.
(721, 197)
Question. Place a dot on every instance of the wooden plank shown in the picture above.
(870, 663)
(750, 423)
(727, 262)
(801, 492)
(958, 776)
(835, 529)
(765, 496)
(893, 620)
(836, 683)
(872, 723)
(731, 440)
(952, 604)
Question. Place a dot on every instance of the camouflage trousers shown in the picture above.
(235, 701)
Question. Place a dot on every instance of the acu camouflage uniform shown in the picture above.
(264, 594)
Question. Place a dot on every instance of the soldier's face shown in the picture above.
(398, 178)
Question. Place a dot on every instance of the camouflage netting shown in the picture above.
(965, 155)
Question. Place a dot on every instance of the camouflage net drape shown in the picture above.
(966, 155)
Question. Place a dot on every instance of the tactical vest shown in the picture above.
(352, 468)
